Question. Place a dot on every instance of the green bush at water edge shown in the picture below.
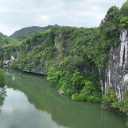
(110, 101)
(2, 78)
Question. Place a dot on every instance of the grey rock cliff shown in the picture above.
(116, 73)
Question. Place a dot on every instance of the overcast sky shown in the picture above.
(16, 14)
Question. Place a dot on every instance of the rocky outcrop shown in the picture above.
(6, 62)
(61, 92)
(116, 73)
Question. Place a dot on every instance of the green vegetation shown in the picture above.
(109, 101)
(108, 98)
(2, 78)
(24, 33)
(5, 40)
(71, 56)
(2, 88)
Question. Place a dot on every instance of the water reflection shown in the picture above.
(48, 107)
(2, 96)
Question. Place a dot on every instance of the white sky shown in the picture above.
(16, 14)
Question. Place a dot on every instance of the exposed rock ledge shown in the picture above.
(39, 72)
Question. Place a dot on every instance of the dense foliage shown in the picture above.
(5, 40)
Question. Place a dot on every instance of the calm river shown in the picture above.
(32, 103)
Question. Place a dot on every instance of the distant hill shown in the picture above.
(24, 33)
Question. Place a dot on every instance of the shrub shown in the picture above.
(108, 98)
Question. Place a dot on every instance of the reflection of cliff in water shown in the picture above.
(62, 110)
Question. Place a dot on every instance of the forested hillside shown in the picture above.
(5, 40)
(72, 56)
(24, 33)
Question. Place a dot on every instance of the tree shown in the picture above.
(124, 9)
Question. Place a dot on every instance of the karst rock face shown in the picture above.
(116, 73)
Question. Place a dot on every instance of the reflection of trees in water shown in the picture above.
(2, 95)
(2, 88)
(45, 98)
(63, 111)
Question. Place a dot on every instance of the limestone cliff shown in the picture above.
(116, 73)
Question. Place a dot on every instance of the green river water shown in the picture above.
(32, 103)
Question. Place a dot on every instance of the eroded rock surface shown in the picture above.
(116, 74)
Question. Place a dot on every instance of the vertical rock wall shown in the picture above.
(116, 74)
